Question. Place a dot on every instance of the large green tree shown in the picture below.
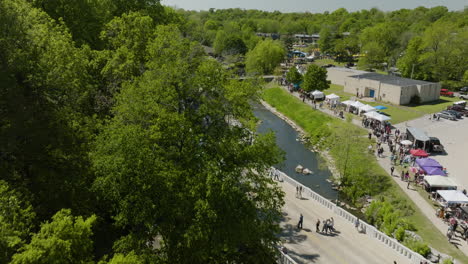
(315, 78)
(173, 169)
(293, 76)
(46, 101)
(16, 221)
(66, 239)
(264, 58)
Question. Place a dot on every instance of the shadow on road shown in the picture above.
(304, 258)
(290, 234)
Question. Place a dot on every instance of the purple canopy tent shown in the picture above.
(428, 162)
(434, 171)
(430, 166)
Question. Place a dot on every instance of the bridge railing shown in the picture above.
(364, 227)
(285, 259)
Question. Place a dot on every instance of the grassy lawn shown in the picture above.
(399, 113)
(313, 121)
(329, 61)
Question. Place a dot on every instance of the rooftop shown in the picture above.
(389, 79)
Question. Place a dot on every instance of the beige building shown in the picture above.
(385, 88)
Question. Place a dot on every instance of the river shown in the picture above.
(296, 153)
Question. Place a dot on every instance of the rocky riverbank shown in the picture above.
(303, 136)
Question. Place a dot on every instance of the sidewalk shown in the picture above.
(422, 204)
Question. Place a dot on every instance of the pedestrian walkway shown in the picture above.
(346, 245)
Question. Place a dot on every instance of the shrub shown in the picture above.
(418, 246)
(415, 99)
(447, 261)
(400, 234)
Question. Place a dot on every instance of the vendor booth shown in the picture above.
(332, 98)
(419, 153)
(434, 183)
(377, 116)
(450, 198)
(318, 95)
(430, 166)
(366, 108)
(418, 137)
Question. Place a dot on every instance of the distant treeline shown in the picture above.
(425, 43)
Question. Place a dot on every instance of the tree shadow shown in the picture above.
(291, 235)
(303, 258)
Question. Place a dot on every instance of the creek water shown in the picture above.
(296, 153)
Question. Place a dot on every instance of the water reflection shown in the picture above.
(296, 153)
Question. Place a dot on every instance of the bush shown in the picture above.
(415, 99)
(418, 246)
(447, 261)
(400, 234)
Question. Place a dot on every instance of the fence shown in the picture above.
(369, 230)
(285, 259)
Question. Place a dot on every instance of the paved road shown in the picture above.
(346, 246)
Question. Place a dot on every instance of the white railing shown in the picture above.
(285, 259)
(366, 228)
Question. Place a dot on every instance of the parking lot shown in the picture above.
(454, 137)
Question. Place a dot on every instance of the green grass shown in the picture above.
(329, 61)
(313, 121)
(399, 113)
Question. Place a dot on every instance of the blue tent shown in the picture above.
(380, 107)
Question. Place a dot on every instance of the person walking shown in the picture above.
(297, 191)
(317, 226)
(356, 224)
(301, 220)
(300, 192)
(324, 226)
(392, 169)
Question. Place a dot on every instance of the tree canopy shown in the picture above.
(293, 76)
(315, 78)
(266, 55)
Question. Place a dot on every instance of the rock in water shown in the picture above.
(306, 171)
(299, 169)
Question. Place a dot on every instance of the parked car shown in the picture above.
(434, 145)
(464, 96)
(462, 110)
(464, 90)
(447, 115)
(455, 113)
(445, 92)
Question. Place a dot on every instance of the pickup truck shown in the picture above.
(445, 92)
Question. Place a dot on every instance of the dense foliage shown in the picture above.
(119, 141)
(425, 43)
(315, 78)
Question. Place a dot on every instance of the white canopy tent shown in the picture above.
(318, 94)
(377, 116)
(437, 181)
(357, 104)
(453, 197)
(348, 102)
(332, 97)
(367, 108)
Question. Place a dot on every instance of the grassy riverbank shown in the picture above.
(347, 144)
